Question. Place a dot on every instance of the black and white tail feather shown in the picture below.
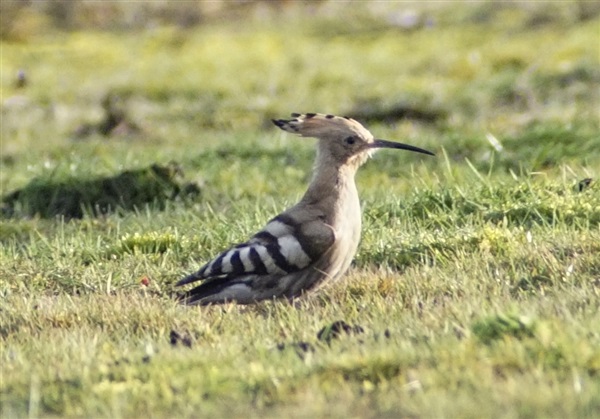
(311, 242)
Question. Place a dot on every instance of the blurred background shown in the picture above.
(91, 88)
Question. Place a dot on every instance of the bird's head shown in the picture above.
(341, 138)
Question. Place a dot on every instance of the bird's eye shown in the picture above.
(350, 140)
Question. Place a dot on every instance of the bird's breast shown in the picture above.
(347, 228)
(344, 218)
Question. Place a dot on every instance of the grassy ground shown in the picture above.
(476, 290)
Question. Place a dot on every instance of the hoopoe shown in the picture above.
(310, 243)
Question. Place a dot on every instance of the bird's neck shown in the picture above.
(332, 183)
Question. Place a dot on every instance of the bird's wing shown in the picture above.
(286, 244)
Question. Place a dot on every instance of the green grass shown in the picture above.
(476, 289)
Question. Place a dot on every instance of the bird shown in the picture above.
(312, 242)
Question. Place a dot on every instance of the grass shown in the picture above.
(476, 288)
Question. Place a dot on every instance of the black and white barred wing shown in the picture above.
(284, 246)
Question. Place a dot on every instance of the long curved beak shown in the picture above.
(399, 146)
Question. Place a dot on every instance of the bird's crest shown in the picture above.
(319, 125)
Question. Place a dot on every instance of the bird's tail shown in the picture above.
(200, 294)
(218, 291)
(188, 279)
